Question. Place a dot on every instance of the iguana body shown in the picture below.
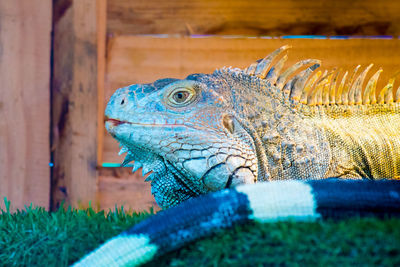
(234, 127)
(214, 131)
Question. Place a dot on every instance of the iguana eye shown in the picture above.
(181, 96)
(181, 93)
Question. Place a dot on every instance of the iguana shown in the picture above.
(228, 130)
(213, 131)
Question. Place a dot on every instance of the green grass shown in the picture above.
(34, 237)
(359, 242)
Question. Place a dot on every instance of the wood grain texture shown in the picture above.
(117, 186)
(241, 17)
(74, 104)
(139, 59)
(101, 67)
(25, 33)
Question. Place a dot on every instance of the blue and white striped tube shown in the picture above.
(263, 202)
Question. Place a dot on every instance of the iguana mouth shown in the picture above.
(114, 122)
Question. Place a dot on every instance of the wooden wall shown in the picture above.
(100, 45)
(25, 42)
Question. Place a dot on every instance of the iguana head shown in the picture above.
(186, 133)
(201, 133)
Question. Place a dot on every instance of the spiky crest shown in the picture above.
(310, 88)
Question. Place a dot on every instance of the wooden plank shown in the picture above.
(74, 104)
(25, 42)
(140, 59)
(101, 65)
(117, 186)
(257, 18)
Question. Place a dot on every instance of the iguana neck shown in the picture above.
(257, 145)
(286, 146)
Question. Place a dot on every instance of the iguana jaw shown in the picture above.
(185, 161)
(168, 185)
(180, 143)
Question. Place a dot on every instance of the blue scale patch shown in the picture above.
(195, 218)
(345, 198)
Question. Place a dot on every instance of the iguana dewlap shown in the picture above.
(213, 131)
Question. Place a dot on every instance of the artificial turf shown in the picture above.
(35, 237)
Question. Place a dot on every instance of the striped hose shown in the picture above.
(262, 202)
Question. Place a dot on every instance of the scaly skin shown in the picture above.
(213, 131)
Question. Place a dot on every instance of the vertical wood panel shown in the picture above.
(74, 104)
(25, 33)
(101, 65)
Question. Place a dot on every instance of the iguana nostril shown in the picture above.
(123, 101)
